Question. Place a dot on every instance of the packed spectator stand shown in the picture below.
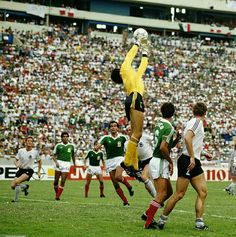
(60, 80)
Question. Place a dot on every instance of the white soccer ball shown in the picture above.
(140, 34)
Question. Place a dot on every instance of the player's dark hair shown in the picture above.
(64, 133)
(113, 121)
(167, 110)
(199, 109)
(115, 76)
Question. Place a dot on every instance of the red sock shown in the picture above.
(101, 189)
(86, 189)
(59, 191)
(151, 212)
(55, 189)
(121, 194)
(125, 182)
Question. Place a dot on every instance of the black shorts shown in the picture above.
(135, 101)
(142, 164)
(29, 172)
(183, 163)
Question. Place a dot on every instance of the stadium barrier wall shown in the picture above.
(213, 171)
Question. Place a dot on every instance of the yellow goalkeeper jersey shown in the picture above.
(132, 79)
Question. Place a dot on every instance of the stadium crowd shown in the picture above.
(59, 80)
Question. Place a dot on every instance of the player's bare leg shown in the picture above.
(86, 187)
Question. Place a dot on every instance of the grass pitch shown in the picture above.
(38, 215)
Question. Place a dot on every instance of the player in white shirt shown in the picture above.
(232, 172)
(189, 168)
(25, 160)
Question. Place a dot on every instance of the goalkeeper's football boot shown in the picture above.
(201, 227)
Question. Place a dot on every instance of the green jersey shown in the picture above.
(64, 152)
(94, 157)
(164, 131)
(114, 146)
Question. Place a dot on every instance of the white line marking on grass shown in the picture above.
(96, 204)
(39, 200)
(212, 215)
(224, 217)
(107, 204)
(175, 210)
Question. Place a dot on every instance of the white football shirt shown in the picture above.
(196, 126)
(145, 147)
(27, 158)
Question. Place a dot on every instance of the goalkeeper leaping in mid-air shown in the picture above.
(134, 106)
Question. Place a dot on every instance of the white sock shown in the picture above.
(17, 193)
(150, 187)
(163, 219)
(233, 186)
(23, 186)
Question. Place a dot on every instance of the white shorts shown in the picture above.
(111, 164)
(159, 168)
(64, 166)
(94, 170)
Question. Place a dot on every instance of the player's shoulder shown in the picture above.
(20, 152)
(89, 151)
(59, 144)
(194, 123)
(23, 149)
(34, 150)
(166, 123)
(104, 137)
(193, 120)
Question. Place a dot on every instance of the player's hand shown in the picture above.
(17, 164)
(57, 165)
(191, 164)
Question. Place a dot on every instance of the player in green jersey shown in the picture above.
(94, 157)
(63, 153)
(114, 146)
(161, 165)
